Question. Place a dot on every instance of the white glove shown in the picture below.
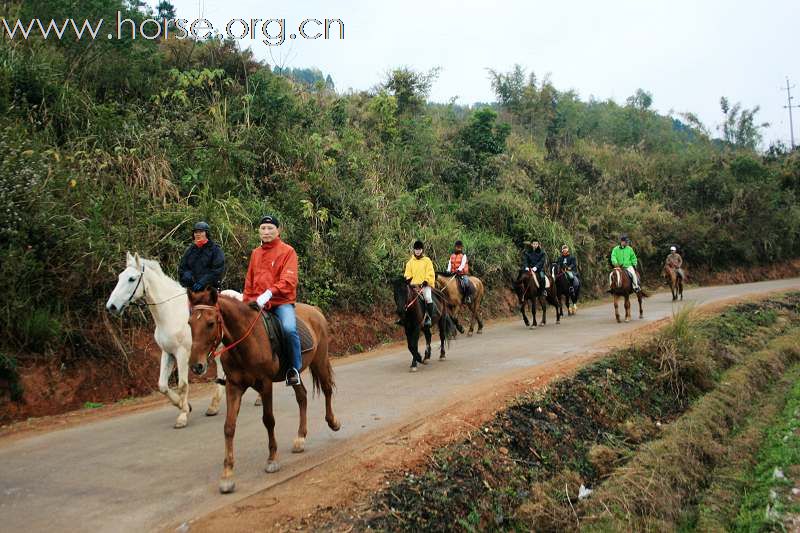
(534, 269)
(264, 298)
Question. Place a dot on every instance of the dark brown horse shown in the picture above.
(566, 291)
(250, 362)
(675, 281)
(448, 285)
(622, 286)
(528, 291)
(410, 309)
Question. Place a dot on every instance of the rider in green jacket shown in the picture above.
(623, 256)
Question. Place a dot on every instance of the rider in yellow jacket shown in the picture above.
(420, 272)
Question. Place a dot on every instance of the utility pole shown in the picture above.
(789, 106)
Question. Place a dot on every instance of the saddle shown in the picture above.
(278, 342)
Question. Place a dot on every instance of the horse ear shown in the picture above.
(138, 260)
(129, 260)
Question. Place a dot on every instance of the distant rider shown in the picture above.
(535, 261)
(623, 256)
(675, 261)
(570, 267)
(420, 273)
(459, 266)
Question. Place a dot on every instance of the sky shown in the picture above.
(687, 53)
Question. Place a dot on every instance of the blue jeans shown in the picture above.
(288, 318)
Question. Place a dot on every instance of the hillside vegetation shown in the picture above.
(115, 145)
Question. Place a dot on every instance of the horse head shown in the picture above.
(402, 295)
(130, 285)
(205, 322)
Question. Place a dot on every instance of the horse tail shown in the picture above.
(326, 367)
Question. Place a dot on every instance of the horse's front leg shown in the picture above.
(543, 304)
(627, 308)
(182, 358)
(524, 316)
(616, 307)
(412, 341)
(219, 390)
(233, 398)
(268, 418)
(302, 402)
(167, 366)
(428, 336)
(533, 312)
(639, 297)
(442, 336)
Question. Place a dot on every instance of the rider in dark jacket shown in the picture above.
(535, 260)
(203, 263)
(569, 265)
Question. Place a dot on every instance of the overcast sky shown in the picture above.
(687, 53)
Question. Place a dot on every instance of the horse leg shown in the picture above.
(524, 316)
(302, 402)
(233, 398)
(412, 341)
(167, 366)
(680, 288)
(428, 335)
(543, 304)
(213, 408)
(471, 309)
(639, 297)
(323, 372)
(616, 307)
(442, 336)
(627, 308)
(182, 358)
(268, 418)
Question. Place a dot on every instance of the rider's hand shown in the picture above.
(264, 298)
(534, 269)
(424, 283)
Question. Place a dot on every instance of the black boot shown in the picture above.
(430, 310)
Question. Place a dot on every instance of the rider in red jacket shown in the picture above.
(272, 281)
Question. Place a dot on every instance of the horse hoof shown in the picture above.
(299, 445)
(257, 403)
(542, 325)
(627, 320)
(469, 334)
(272, 467)
(226, 486)
(181, 421)
(413, 369)
(212, 412)
(335, 425)
(480, 332)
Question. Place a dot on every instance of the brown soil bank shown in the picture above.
(38, 386)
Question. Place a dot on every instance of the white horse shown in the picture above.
(143, 279)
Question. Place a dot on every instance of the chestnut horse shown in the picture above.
(448, 285)
(249, 361)
(621, 285)
(528, 291)
(675, 282)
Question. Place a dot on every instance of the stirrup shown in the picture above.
(293, 377)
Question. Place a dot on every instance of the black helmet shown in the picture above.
(202, 226)
(418, 245)
(459, 243)
(269, 219)
(624, 237)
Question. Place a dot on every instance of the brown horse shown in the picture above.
(249, 361)
(528, 291)
(675, 282)
(448, 284)
(621, 285)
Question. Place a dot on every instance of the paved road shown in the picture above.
(135, 473)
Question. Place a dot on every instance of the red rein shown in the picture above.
(215, 353)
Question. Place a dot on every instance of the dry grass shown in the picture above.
(652, 490)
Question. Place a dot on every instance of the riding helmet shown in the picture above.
(269, 219)
(202, 226)
(459, 243)
(624, 237)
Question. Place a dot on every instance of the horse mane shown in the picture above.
(152, 264)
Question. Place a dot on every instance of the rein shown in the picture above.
(220, 330)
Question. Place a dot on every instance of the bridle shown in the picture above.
(136, 288)
(144, 293)
(220, 334)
